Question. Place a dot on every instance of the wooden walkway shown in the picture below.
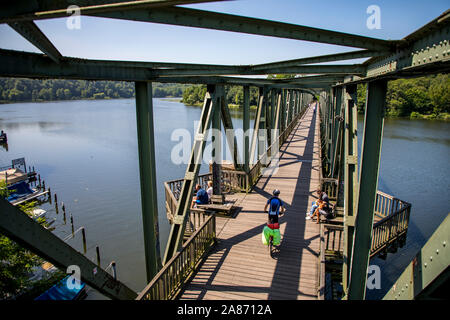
(239, 266)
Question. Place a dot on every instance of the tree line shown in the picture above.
(425, 97)
(195, 94)
(17, 89)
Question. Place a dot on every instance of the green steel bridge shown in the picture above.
(369, 223)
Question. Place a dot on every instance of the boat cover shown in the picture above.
(60, 291)
(19, 190)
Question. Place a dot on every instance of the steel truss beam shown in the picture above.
(228, 126)
(425, 51)
(350, 176)
(227, 22)
(319, 59)
(368, 181)
(30, 31)
(427, 276)
(29, 234)
(184, 202)
(26, 10)
(34, 65)
(147, 165)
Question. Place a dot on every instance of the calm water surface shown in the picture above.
(87, 153)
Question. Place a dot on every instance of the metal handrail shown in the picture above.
(169, 281)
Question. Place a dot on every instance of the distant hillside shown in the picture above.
(17, 89)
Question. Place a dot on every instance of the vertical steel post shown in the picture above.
(262, 133)
(217, 143)
(246, 127)
(368, 180)
(147, 170)
(340, 103)
(181, 215)
(273, 107)
(350, 176)
(283, 110)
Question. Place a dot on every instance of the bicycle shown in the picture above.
(273, 226)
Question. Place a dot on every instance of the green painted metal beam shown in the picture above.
(246, 127)
(176, 234)
(147, 171)
(256, 126)
(30, 31)
(229, 131)
(29, 234)
(349, 159)
(427, 276)
(423, 52)
(27, 10)
(319, 59)
(216, 153)
(228, 22)
(34, 65)
(309, 69)
(368, 181)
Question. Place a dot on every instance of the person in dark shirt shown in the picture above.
(275, 205)
(201, 196)
(322, 196)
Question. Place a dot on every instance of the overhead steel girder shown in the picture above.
(319, 59)
(26, 10)
(421, 53)
(34, 65)
(310, 69)
(32, 33)
(29, 234)
(181, 215)
(151, 11)
(228, 22)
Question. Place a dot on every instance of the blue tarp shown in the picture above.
(60, 291)
(20, 189)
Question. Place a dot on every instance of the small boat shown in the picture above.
(21, 192)
(61, 291)
(3, 137)
(38, 213)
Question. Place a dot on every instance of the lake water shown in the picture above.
(86, 151)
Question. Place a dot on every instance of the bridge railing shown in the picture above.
(232, 180)
(169, 281)
(393, 227)
(264, 160)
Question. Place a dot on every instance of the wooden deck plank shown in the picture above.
(239, 267)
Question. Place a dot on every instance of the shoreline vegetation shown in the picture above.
(425, 98)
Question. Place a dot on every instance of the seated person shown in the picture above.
(325, 206)
(209, 191)
(201, 197)
(320, 210)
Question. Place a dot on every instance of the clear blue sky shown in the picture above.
(101, 38)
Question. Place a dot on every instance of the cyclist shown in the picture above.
(274, 205)
(272, 229)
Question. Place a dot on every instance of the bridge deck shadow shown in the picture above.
(239, 267)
